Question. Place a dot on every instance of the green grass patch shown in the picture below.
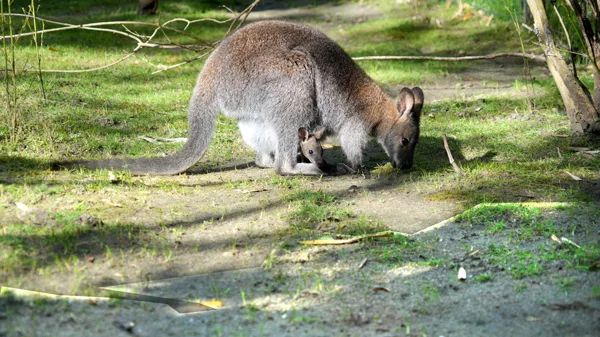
(399, 250)
(483, 277)
(323, 212)
(518, 263)
(526, 221)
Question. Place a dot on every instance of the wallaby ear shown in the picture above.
(405, 103)
(303, 134)
(321, 133)
(419, 99)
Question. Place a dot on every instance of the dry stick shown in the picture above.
(180, 64)
(37, 50)
(137, 37)
(451, 159)
(452, 58)
(90, 26)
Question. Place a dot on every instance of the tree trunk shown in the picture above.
(579, 105)
(591, 36)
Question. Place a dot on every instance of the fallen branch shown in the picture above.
(141, 40)
(347, 241)
(161, 140)
(451, 158)
(536, 57)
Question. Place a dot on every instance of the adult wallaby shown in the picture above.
(274, 77)
(311, 149)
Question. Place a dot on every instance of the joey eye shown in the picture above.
(404, 141)
(310, 151)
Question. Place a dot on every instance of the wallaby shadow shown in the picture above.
(12, 165)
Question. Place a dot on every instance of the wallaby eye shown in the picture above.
(310, 151)
(404, 141)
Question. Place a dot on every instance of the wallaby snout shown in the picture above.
(400, 142)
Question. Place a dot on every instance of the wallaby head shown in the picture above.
(400, 142)
(310, 145)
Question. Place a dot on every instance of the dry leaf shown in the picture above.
(378, 289)
(110, 203)
(22, 207)
(91, 259)
(533, 319)
(594, 266)
(462, 274)
(576, 178)
(52, 49)
(214, 304)
(555, 238)
(473, 253)
(112, 178)
(173, 60)
(362, 264)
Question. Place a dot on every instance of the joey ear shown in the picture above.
(303, 134)
(321, 133)
(419, 99)
(405, 103)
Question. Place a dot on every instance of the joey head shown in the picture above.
(274, 77)
(311, 149)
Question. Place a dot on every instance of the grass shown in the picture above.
(508, 158)
(313, 210)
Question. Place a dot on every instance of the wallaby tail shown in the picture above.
(202, 117)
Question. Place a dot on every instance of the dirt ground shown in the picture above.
(270, 290)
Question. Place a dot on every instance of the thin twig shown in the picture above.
(88, 69)
(37, 50)
(451, 158)
(180, 64)
(91, 26)
(142, 40)
(568, 41)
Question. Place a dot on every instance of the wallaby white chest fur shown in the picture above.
(274, 77)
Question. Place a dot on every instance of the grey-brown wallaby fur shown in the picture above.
(274, 77)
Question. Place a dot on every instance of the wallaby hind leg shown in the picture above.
(265, 160)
